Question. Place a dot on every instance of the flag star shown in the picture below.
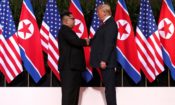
(122, 29)
(76, 28)
(25, 29)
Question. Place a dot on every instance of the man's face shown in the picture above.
(71, 21)
(101, 14)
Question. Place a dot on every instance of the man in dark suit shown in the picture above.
(103, 51)
(71, 61)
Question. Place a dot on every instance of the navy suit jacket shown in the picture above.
(103, 45)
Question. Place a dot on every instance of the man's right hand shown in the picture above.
(87, 41)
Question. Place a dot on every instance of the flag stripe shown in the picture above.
(8, 62)
(11, 51)
(146, 61)
(30, 67)
(149, 74)
(54, 69)
(123, 6)
(44, 36)
(6, 72)
(128, 66)
(77, 6)
(28, 6)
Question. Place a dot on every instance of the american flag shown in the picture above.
(95, 20)
(81, 31)
(49, 33)
(126, 45)
(148, 42)
(167, 34)
(30, 42)
(10, 60)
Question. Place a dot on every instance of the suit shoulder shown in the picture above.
(111, 19)
(111, 22)
(64, 28)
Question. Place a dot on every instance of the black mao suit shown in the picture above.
(103, 48)
(71, 64)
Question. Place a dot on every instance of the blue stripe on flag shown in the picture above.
(122, 2)
(170, 5)
(168, 62)
(29, 5)
(77, 3)
(87, 75)
(29, 67)
(127, 67)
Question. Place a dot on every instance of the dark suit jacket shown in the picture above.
(71, 50)
(103, 45)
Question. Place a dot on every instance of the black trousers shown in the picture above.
(70, 83)
(108, 76)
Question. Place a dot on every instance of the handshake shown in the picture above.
(87, 41)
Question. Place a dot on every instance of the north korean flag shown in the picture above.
(167, 34)
(126, 45)
(30, 42)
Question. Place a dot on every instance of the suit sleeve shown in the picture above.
(109, 40)
(73, 39)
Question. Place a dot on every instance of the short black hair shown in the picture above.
(65, 13)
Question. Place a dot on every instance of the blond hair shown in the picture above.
(105, 8)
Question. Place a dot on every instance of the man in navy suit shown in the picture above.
(103, 51)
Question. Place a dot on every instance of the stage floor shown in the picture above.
(88, 96)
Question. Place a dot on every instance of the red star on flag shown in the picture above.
(122, 29)
(25, 29)
(76, 28)
(166, 28)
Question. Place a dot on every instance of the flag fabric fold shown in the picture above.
(167, 34)
(126, 45)
(148, 43)
(49, 32)
(30, 42)
(10, 60)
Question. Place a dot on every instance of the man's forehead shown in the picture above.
(71, 15)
